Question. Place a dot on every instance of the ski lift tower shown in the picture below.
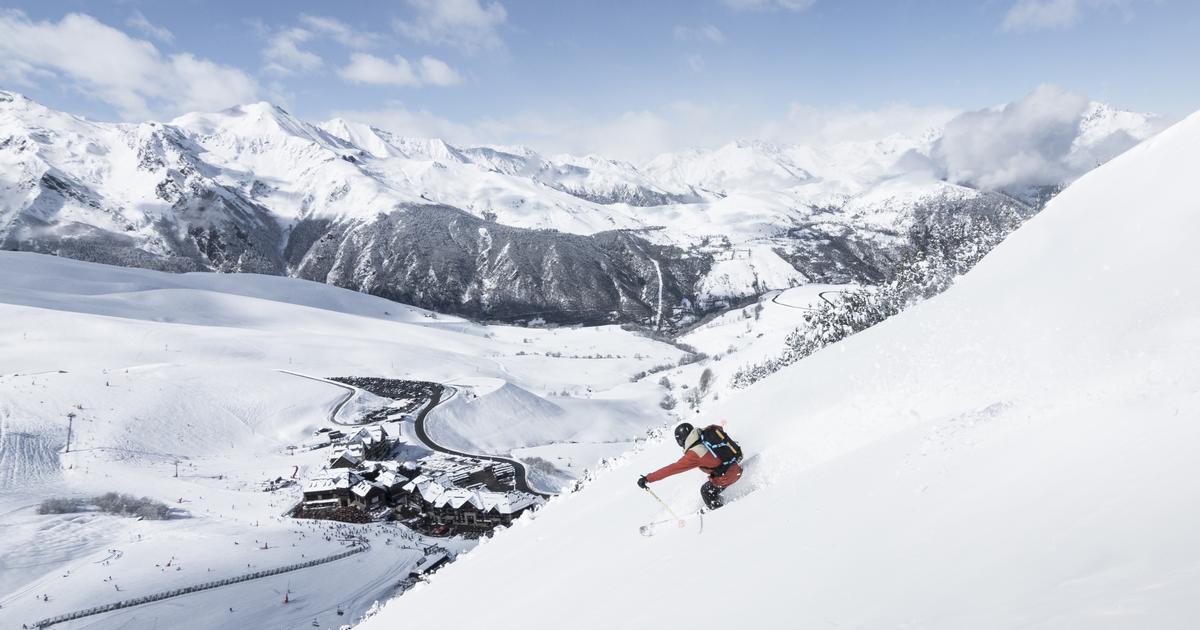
(70, 423)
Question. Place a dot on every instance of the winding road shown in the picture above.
(350, 391)
(520, 479)
(821, 295)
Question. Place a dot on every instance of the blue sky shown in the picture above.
(622, 78)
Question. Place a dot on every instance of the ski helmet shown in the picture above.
(681, 433)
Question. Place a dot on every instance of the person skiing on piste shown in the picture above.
(696, 454)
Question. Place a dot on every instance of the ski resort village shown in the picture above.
(582, 315)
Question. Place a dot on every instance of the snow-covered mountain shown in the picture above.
(490, 232)
(1016, 452)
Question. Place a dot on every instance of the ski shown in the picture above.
(652, 528)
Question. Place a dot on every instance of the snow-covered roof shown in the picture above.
(363, 488)
(354, 458)
(440, 465)
(428, 561)
(458, 497)
(368, 436)
(389, 479)
(441, 492)
(333, 481)
(508, 502)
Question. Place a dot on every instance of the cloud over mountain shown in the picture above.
(129, 74)
(1039, 140)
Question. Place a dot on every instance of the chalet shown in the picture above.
(373, 440)
(330, 491)
(367, 495)
(368, 443)
(345, 459)
(467, 509)
(392, 483)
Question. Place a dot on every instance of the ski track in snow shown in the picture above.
(25, 457)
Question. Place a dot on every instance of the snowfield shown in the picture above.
(198, 373)
(1019, 452)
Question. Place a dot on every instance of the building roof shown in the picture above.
(441, 493)
(332, 481)
(351, 458)
(508, 502)
(321, 503)
(364, 488)
(389, 479)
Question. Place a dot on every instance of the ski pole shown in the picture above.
(665, 506)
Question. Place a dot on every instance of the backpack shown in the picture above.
(714, 438)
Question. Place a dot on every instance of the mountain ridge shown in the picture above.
(254, 189)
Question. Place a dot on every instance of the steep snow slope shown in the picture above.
(1017, 452)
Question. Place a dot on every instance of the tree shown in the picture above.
(706, 378)
(666, 383)
(944, 248)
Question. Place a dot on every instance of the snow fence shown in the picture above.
(146, 599)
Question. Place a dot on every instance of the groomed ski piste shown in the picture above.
(1018, 452)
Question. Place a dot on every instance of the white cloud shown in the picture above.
(437, 72)
(416, 124)
(284, 56)
(633, 135)
(138, 22)
(1030, 15)
(1029, 142)
(374, 70)
(702, 33)
(695, 62)
(637, 135)
(339, 31)
(467, 25)
(817, 126)
(1039, 14)
(129, 74)
(769, 5)
(367, 68)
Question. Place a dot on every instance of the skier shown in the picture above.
(698, 454)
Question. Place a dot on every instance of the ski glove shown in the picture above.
(642, 482)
